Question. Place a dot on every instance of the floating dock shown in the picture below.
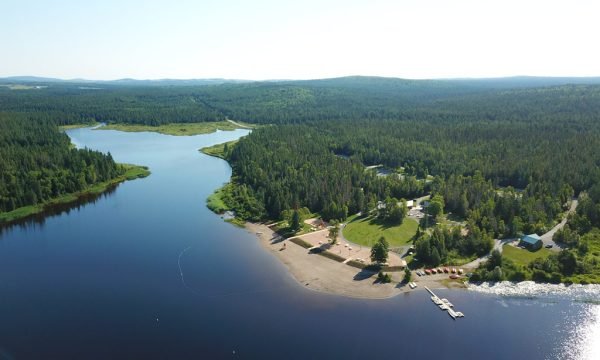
(444, 305)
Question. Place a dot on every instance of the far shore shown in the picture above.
(322, 274)
(175, 129)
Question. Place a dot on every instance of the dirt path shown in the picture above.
(239, 125)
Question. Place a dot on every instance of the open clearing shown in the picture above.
(366, 231)
(178, 129)
(523, 256)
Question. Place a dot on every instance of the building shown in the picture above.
(532, 241)
(410, 204)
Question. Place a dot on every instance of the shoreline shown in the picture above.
(175, 129)
(23, 213)
(321, 274)
(318, 273)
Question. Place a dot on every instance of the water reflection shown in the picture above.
(38, 220)
(583, 341)
(547, 292)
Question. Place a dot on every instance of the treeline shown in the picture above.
(293, 166)
(69, 104)
(351, 98)
(497, 173)
(579, 261)
(504, 176)
(503, 212)
(445, 245)
(37, 163)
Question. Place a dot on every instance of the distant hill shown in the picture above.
(363, 82)
(126, 81)
(28, 79)
(154, 102)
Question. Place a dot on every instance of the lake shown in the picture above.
(147, 271)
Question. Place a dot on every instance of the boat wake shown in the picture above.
(530, 289)
(181, 270)
(220, 295)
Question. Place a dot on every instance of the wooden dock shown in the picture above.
(444, 305)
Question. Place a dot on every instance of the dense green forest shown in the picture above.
(37, 163)
(506, 156)
(350, 98)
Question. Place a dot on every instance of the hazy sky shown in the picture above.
(275, 39)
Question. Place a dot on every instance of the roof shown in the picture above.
(531, 238)
(410, 203)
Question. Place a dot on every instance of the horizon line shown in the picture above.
(43, 78)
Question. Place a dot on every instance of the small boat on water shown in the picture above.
(436, 300)
(445, 301)
(455, 314)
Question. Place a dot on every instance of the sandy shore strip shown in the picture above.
(321, 274)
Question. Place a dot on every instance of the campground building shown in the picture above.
(532, 242)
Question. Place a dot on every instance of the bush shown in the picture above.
(517, 275)
(407, 275)
(383, 277)
(555, 278)
(539, 276)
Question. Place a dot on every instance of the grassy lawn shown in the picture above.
(366, 231)
(523, 256)
(131, 172)
(215, 201)
(180, 129)
(218, 150)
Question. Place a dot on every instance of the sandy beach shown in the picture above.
(319, 273)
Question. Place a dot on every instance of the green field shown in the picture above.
(523, 256)
(131, 172)
(219, 149)
(215, 201)
(178, 129)
(366, 231)
(77, 126)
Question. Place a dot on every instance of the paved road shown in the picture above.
(547, 237)
(498, 244)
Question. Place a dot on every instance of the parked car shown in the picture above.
(549, 246)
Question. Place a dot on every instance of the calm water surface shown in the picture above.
(149, 272)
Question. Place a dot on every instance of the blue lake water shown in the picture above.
(148, 271)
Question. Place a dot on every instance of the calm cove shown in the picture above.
(147, 271)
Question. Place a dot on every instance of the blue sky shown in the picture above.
(265, 39)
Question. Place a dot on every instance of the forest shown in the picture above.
(504, 155)
(38, 163)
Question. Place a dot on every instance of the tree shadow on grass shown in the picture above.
(383, 223)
